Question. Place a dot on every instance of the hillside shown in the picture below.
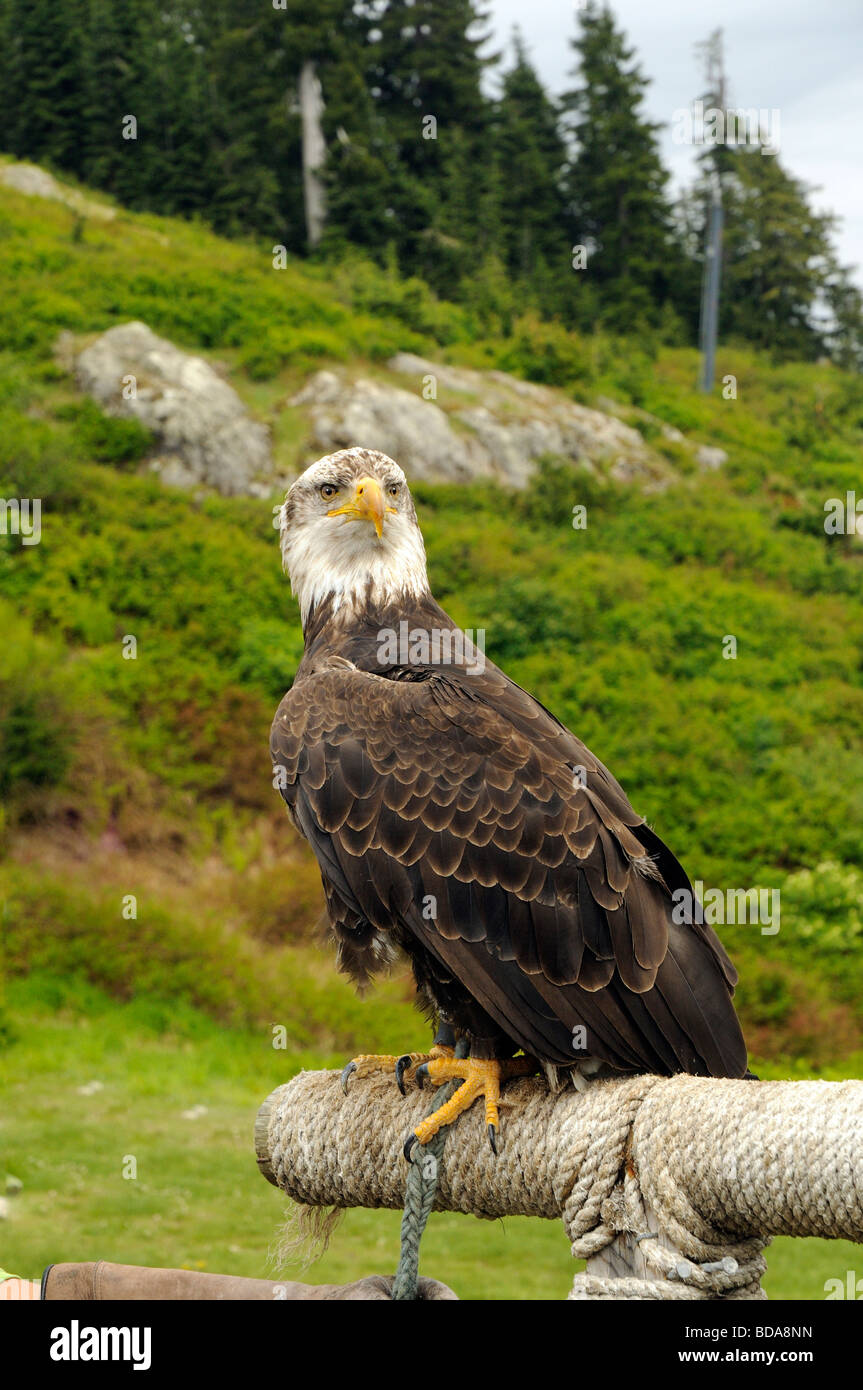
(150, 777)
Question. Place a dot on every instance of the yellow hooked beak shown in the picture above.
(365, 504)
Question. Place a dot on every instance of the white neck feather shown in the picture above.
(343, 559)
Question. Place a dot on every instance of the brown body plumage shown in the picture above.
(456, 820)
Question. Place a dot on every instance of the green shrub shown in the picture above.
(36, 461)
(106, 438)
(558, 485)
(281, 346)
(545, 352)
(34, 746)
(824, 906)
(268, 654)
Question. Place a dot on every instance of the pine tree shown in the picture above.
(843, 337)
(616, 183)
(425, 77)
(530, 156)
(361, 166)
(111, 61)
(7, 75)
(254, 123)
(428, 62)
(780, 271)
(44, 81)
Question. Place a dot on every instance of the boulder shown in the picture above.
(203, 431)
(518, 422)
(710, 458)
(494, 425)
(372, 415)
(38, 183)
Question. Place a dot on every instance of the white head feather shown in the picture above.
(340, 557)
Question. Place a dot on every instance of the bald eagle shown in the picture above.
(458, 823)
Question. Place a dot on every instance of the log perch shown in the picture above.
(670, 1187)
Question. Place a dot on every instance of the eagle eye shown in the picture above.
(328, 490)
(393, 489)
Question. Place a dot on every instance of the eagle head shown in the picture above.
(349, 532)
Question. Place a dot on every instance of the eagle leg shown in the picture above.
(405, 1067)
(480, 1076)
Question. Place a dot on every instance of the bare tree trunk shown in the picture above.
(314, 152)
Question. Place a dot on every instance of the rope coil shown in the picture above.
(670, 1187)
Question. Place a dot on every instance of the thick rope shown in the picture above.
(696, 1174)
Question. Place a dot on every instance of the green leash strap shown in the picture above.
(420, 1191)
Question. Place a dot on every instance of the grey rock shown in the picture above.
(672, 433)
(502, 433)
(453, 424)
(517, 422)
(203, 432)
(514, 446)
(454, 378)
(710, 458)
(38, 183)
(369, 414)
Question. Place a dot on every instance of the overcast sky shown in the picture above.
(800, 57)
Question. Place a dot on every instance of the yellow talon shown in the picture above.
(364, 1064)
(405, 1066)
(480, 1077)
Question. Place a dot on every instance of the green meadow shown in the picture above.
(150, 779)
(197, 1200)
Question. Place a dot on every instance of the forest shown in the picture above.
(444, 157)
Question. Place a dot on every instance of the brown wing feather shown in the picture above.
(548, 908)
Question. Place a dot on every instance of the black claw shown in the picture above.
(408, 1148)
(402, 1065)
(346, 1075)
(422, 1073)
(492, 1137)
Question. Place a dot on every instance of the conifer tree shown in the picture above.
(361, 169)
(616, 183)
(781, 277)
(425, 79)
(110, 61)
(254, 123)
(530, 156)
(43, 80)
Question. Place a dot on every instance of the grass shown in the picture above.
(197, 1200)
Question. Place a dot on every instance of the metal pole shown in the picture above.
(708, 327)
(710, 288)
